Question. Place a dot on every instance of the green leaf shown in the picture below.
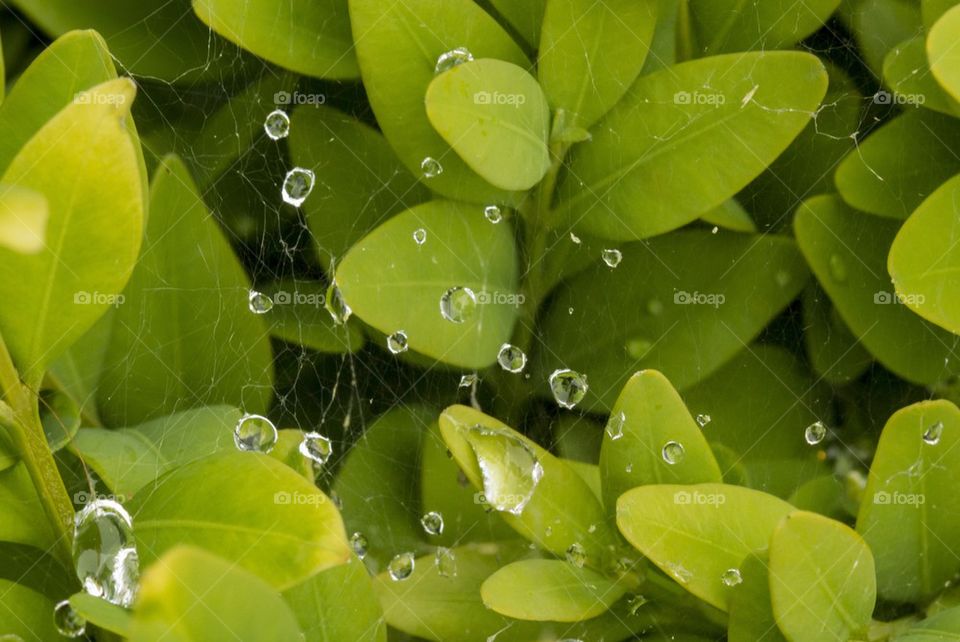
(907, 72)
(26, 613)
(909, 512)
(751, 614)
(549, 590)
(306, 36)
(299, 316)
(496, 118)
(723, 26)
(184, 334)
(20, 508)
(103, 614)
(525, 17)
(36, 569)
(462, 250)
(835, 354)
(685, 139)
(933, 10)
(360, 180)
(847, 251)
(696, 533)
(693, 293)
(879, 25)
(887, 178)
(280, 526)
(338, 604)
(190, 595)
(825, 495)
(590, 53)
(96, 201)
(936, 628)
(651, 414)
(730, 215)
(23, 219)
(942, 51)
(77, 371)
(398, 45)
(60, 418)
(924, 261)
(822, 583)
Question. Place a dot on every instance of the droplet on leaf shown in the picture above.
(576, 555)
(431, 167)
(731, 577)
(450, 59)
(359, 544)
(458, 304)
(420, 236)
(615, 425)
(446, 562)
(932, 434)
(612, 257)
(401, 566)
(703, 420)
(493, 213)
(105, 552)
(509, 467)
(673, 452)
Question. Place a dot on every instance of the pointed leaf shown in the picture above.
(727, 25)
(751, 614)
(26, 614)
(101, 613)
(907, 73)
(942, 51)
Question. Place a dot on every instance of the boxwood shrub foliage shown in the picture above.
(463, 321)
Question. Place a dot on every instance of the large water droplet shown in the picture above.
(511, 358)
(815, 433)
(446, 562)
(420, 236)
(673, 452)
(255, 433)
(568, 386)
(838, 268)
(576, 554)
(458, 304)
(493, 213)
(703, 420)
(612, 257)
(336, 306)
(431, 167)
(277, 124)
(259, 303)
(401, 566)
(638, 347)
(450, 59)
(731, 577)
(316, 447)
(359, 544)
(68, 622)
(932, 434)
(509, 466)
(432, 523)
(397, 342)
(105, 552)
(297, 185)
(615, 425)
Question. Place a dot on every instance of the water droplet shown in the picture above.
(673, 452)
(815, 433)
(397, 342)
(431, 167)
(615, 425)
(703, 420)
(635, 604)
(638, 347)
(628, 468)
(255, 433)
(458, 304)
(575, 238)
(469, 380)
(432, 523)
(612, 257)
(715, 229)
(731, 577)
(450, 59)
(569, 387)
(316, 447)
(105, 552)
(68, 622)
(420, 236)
(931, 435)
(359, 544)
(277, 124)
(297, 185)
(446, 562)
(336, 306)
(838, 268)
(493, 213)
(678, 572)
(511, 358)
(509, 467)
(576, 555)
(401, 566)
(259, 303)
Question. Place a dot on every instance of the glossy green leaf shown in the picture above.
(924, 261)
(692, 293)
(685, 139)
(184, 334)
(23, 219)
(101, 613)
(933, 10)
(60, 418)
(696, 533)
(525, 17)
(26, 613)
(751, 614)
(909, 512)
(19, 510)
(549, 590)
(887, 178)
(847, 251)
(936, 628)
(496, 118)
(834, 351)
(190, 595)
(96, 202)
(280, 526)
(822, 582)
(463, 250)
(879, 25)
(590, 53)
(77, 371)
(398, 45)
(651, 414)
(35, 569)
(299, 316)
(729, 25)
(730, 215)
(942, 51)
(907, 73)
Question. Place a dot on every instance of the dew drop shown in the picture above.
(458, 304)
(397, 342)
(508, 465)
(628, 468)
(469, 380)
(673, 452)
(277, 124)
(493, 213)
(715, 229)
(431, 167)
(703, 420)
(446, 562)
(336, 306)
(420, 236)
(69, 623)
(638, 347)
(679, 572)
(316, 447)
(432, 523)
(575, 238)
(359, 544)
(258, 302)
(255, 433)
(450, 59)
(931, 435)
(297, 185)
(612, 257)
(635, 604)
(731, 577)
(569, 387)
(401, 566)
(615, 425)
(815, 433)
(511, 358)
(105, 553)
(838, 268)
(576, 555)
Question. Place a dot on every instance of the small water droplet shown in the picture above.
(336, 306)
(297, 185)
(359, 544)
(258, 302)
(509, 467)
(469, 380)
(401, 566)
(420, 236)
(511, 358)
(397, 342)
(431, 167)
(635, 604)
(703, 420)
(673, 452)
(815, 433)
(576, 555)
(638, 348)
(255, 433)
(450, 59)
(68, 622)
(458, 304)
(432, 523)
(931, 435)
(838, 268)
(612, 257)
(277, 124)
(569, 387)
(679, 572)
(628, 468)
(575, 238)
(615, 425)
(731, 577)
(105, 553)
(446, 562)
(715, 230)
(316, 447)
(493, 213)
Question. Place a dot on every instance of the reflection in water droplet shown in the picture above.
(511, 358)
(509, 467)
(68, 622)
(277, 124)
(316, 447)
(397, 342)
(638, 347)
(931, 435)
(336, 306)
(420, 236)
(576, 555)
(615, 425)
(493, 213)
(731, 577)
(297, 185)
(450, 59)
(446, 562)
(673, 452)
(815, 433)
(838, 268)
(359, 544)
(431, 167)
(612, 257)
(458, 304)
(568, 386)
(258, 302)
(401, 566)
(469, 380)
(255, 433)
(432, 523)
(703, 420)
(105, 553)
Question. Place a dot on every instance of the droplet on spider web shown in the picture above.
(458, 304)
(703, 420)
(336, 305)
(316, 447)
(297, 185)
(258, 302)
(493, 213)
(511, 358)
(397, 342)
(450, 59)
(576, 554)
(432, 523)
(612, 257)
(431, 167)
(277, 124)
(69, 623)
(401, 566)
(931, 436)
(420, 236)
(673, 452)
(359, 544)
(255, 433)
(105, 552)
(469, 380)
(568, 386)
(446, 562)
(615, 425)
(508, 465)
(815, 433)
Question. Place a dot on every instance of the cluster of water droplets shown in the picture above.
(105, 554)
